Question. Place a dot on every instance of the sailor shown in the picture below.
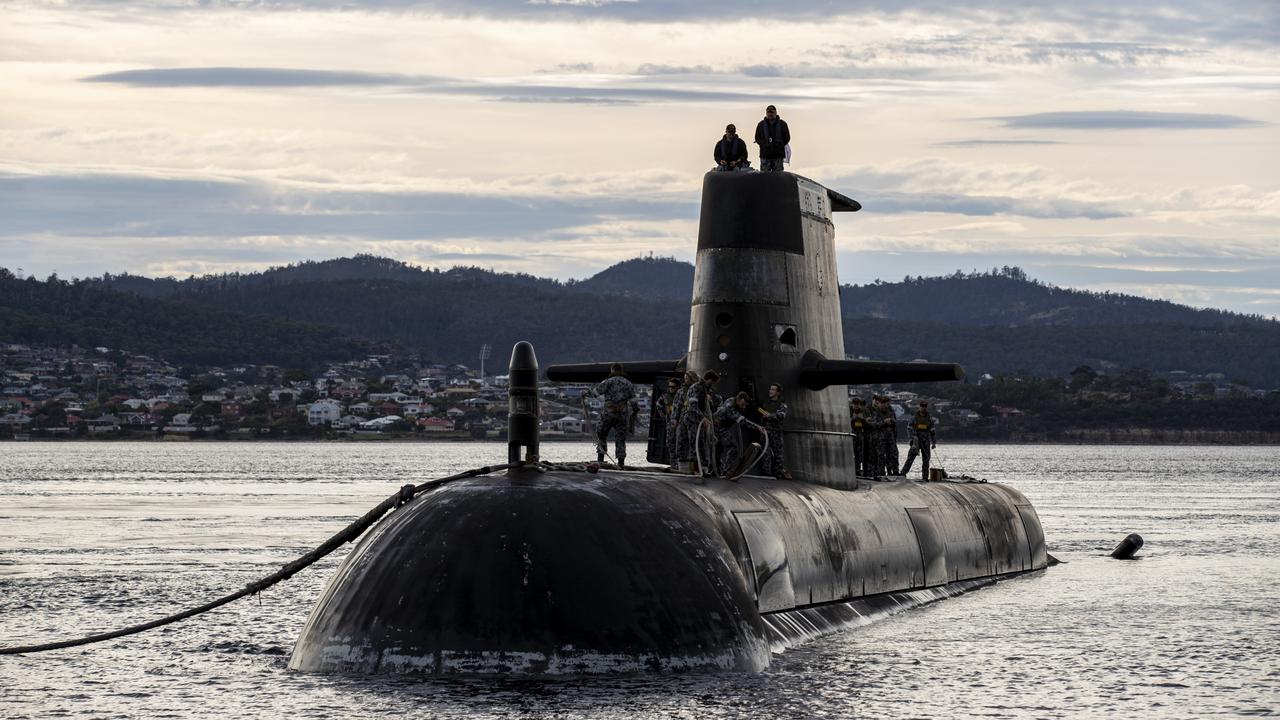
(676, 434)
(772, 135)
(729, 421)
(619, 397)
(663, 410)
(861, 434)
(875, 430)
(772, 415)
(731, 151)
(889, 438)
(700, 401)
(922, 440)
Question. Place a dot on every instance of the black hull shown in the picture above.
(564, 572)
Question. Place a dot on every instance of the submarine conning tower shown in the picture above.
(766, 309)
(765, 292)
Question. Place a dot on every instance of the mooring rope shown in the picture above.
(348, 534)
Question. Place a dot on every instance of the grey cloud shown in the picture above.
(762, 70)
(135, 206)
(1102, 53)
(892, 203)
(1248, 21)
(251, 77)
(1125, 120)
(657, 69)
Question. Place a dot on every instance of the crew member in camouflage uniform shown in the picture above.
(861, 436)
(922, 440)
(619, 399)
(664, 409)
(772, 416)
(684, 451)
(875, 460)
(699, 403)
(889, 440)
(729, 419)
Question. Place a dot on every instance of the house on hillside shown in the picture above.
(324, 412)
(567, 424)
(435, 424)
(381, 423)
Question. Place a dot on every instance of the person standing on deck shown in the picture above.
(664, 408)
(619, 396)
(772, 416)
(923, 440)
(861, 434)
(772, 135)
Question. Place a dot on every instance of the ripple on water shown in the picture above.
(139, 530)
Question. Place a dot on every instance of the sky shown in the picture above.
(1123, 146)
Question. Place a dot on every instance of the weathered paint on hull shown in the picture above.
(563, 572)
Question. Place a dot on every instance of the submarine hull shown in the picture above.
(565, 572)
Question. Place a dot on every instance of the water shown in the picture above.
(97, 536)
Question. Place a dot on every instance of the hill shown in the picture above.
(360, 267)
(999, 321)
(1008, 297)
(57, 312)
(644, 277)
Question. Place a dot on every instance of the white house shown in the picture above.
(324, 412)
(568, 424)
(380, 423)
(181, 423)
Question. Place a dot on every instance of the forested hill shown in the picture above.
(181, 330)
(1008, 297)
(360, 267)
(639, 309)
(646, 277)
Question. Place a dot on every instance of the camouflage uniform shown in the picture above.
(697, 400)
(861, 435)
(875, 460)
(619, 395)
(675, 428)
(772, 461)
(889, 441)
(922, 441)
(729, 440)
(664, 410)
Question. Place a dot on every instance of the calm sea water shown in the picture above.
(96, 536)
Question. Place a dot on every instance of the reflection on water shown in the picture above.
(97, 536)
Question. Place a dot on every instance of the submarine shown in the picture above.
(578, 568)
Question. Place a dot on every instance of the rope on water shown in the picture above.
(348, 534)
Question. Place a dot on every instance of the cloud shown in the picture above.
(1220, 19)
(874, 202)
(148, 206)
(261, 77)
(253, 77)
(1125, 120)
(660, 69)
(985, 143)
